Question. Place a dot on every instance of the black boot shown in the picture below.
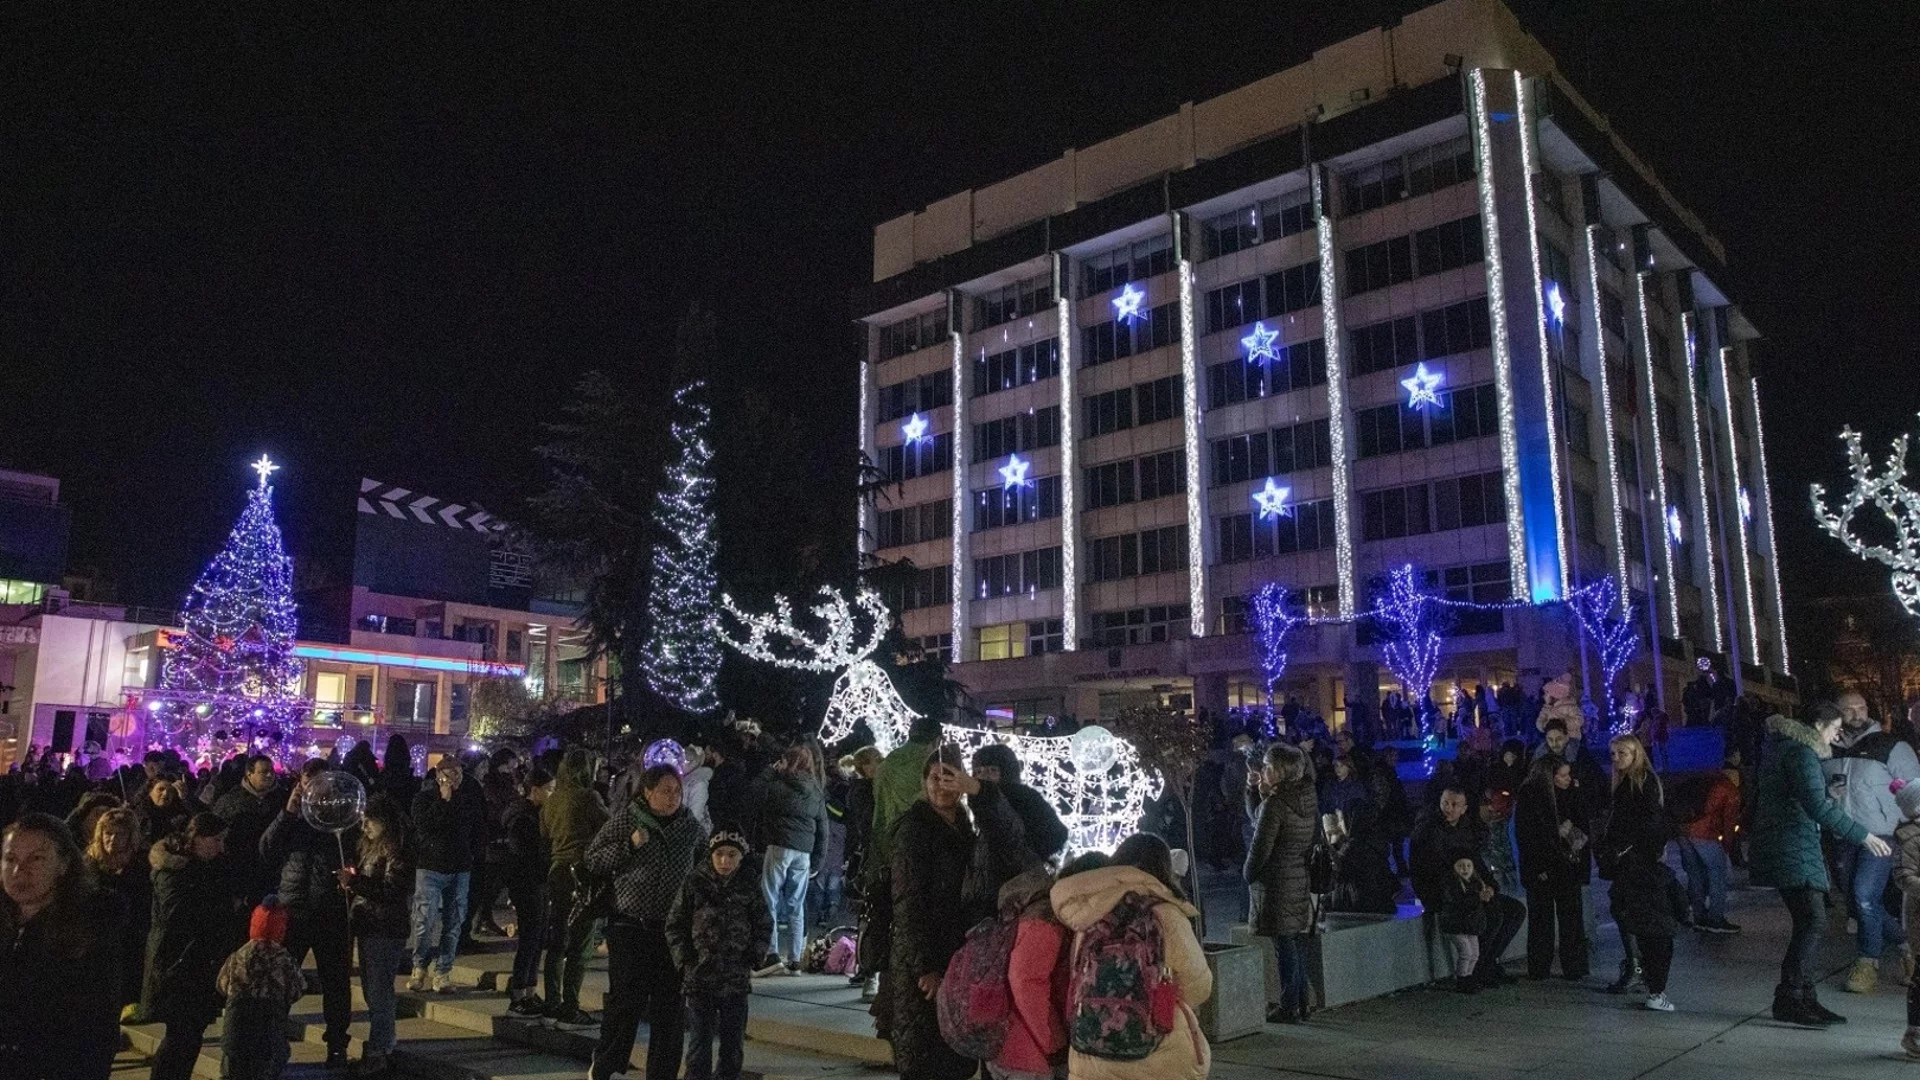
(1810, 1002)
(1629, 975)
(1789, 1008)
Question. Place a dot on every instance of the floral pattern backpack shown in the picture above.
(1121, 1000)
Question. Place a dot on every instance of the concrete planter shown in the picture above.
(1238, 1005)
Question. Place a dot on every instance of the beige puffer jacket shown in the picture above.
(1082, 900)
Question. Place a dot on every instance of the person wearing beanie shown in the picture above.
(714, 930)
(1906, 878)
(1791, 808)
(261, 982)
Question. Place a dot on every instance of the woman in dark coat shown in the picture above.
(196, 925)
(1281, 799)
(119, 864)
(59, 958)
(932, 847)
(1550, 828)
(1363, 878)
(1637, 834)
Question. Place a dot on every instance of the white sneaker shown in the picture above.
(442, 983)
(1910, 1042)
(1659, 1003)
(417, 982)
(870, 989)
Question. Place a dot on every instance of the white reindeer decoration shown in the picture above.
(1890, 494)
(1093, 779)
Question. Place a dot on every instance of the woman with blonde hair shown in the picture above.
(1643, 900)
(114, 851)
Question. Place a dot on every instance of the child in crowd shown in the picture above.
(1496, 813)
(1462, 920)
(716, 930)
(261, 982)
(1906, 877)
(380, 883)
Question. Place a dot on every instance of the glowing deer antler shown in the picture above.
(1890, 494)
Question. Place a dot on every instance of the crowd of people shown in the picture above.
(188, 899)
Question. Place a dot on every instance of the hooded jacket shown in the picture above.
(308, 860)
(383, 896)
(449, 833)
(1867, 761)
(1084, 899)
(717, 930)
(1036, 976)
(1791, 806)
(790, 811)
(573, 813)
(1284, 824)
(196, 924)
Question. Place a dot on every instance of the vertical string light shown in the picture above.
(1331, 333)
(1739, 517)
(1766, 517)
(1659, 455)
(962, 457)
(1526, 121)
(1606, 411)
(1069, 452)
(864, 540)
(1196, 492)
(1502, 347)
(681, 660)
(1697, 447)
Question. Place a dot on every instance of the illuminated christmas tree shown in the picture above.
(234, 665)
(682, 655)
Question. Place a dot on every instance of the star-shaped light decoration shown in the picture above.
(265, 467)
(1126, 306)
(1260, 344)
(1421, 387)
(915, 429)
(1556, 302)
(1746, 505)
(1676, 525)
(1272, 501)
(1014, 473)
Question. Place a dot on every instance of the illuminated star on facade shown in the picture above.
(1126, 306)
(1272, 500)
(915, 429)
(1421, 387)
(1014, 472)
(1259, 344)
(1676, 526)
(265, 467)
(1556, 303)
(1746, 505)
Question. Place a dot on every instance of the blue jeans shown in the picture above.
(379, 963)
(439, 911)
(1865, 877)
(783, 880)
(1290, 956)
(1705, 862)
(710, 1018)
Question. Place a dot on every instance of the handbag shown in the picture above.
(1320, 873)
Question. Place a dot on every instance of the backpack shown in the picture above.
(843, 957)
(1120, 998)
(1689, 801)
(974, 1003)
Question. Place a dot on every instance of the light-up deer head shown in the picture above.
(1889, 493)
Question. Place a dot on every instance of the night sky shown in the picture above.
(384, 240)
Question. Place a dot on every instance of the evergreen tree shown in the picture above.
(682, 656)
(239, 623)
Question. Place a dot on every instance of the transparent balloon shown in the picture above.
(666, 752)
(333, 801)
(1094, 749)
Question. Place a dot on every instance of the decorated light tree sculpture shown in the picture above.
(232, 665)
(1411, 624)
(1896, 499)
(1272, 622)
(682, 655)
(1608, 621)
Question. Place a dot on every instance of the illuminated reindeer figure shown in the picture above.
(1093, 779)
(1892, 496)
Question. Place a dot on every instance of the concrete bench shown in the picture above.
(1356, 957)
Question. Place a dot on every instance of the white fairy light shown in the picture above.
(1896, 499)
(1422, 386)
(1502, 346)
(1659, 451)
(1069, 468)
(914, 431)
(1740, 520)
(1126, 306)
(962, 452)
(1260, 344)
(1710, 598)
(1014, 473)
(1526, 117)
(1196, 488)
(1272, 501)
(1330, 333)
(1766, 504)
(1606, 410)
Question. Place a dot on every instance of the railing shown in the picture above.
(88, 609)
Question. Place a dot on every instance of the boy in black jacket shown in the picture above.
(523, 870)
(714, 930)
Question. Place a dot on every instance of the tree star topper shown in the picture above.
(265, 467)
(1126, 306)
(915, 429)
(1272, 500)
(1014, 472)
(1260, 347)
(1421, 387)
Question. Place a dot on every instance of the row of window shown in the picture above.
(1446, 246)
(1296, 367)
(1467, 413)
(1137, 479)
(916, 524)
(1250, 536)
(1440, 506)
(1276, 294)
(1283, 450)
(1141, 625)
(1017, 573)
(1405, 176)
(922, 393)
(1251, 226)
(1445, 331)
(1012, 434)
(928, 456)
(1128, 262)
(1131, 406)
(1016, 367)
(1120, 338)
(1010, 641)
(929, 587)
(1155, 551)
(1017, 505)
(913, 332)
(1014, 301)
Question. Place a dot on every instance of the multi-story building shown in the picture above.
(1088, 380)
(33, 537)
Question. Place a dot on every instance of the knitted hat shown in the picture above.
(1907, 794)
(727, 838)
(269, 922)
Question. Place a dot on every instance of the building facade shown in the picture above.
(1088, 381)
(33, 537)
